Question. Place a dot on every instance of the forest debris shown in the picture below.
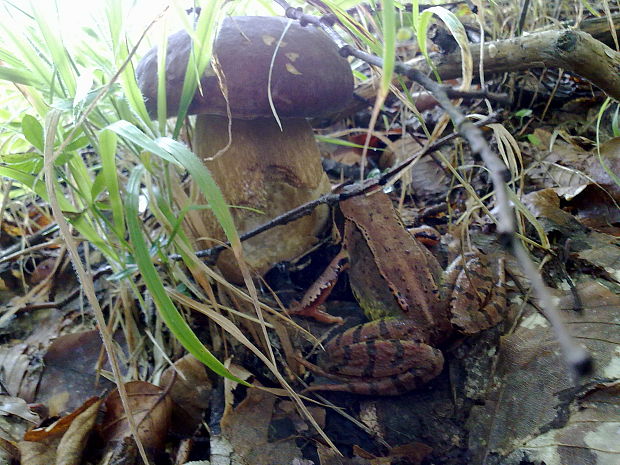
(151, 408)
(63, 442)
(599, 249)
(70, 374)
(247, 426)
(574, 51)
(531, 413)
(15, 418)
(190, 391)
(425, 177)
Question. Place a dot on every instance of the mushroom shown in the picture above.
(262, 166)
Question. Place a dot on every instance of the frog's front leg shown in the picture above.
(383, 357)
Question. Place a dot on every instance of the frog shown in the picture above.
(414, 306)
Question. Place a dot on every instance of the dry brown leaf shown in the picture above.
(190, 393)
(70, 375)
(15, 418)
(532, 413)
(425, 177)
(347, 156)
(43, 270)
(151, 407)
(39, 453)
(62, 442)
(21, 362)
(413, 453)
(599, 249)
(610, 156)
(287, 409)
(17, 407)
(559, 167)
(35, 221)
(569, 169)
(73, 442)
(328, 456)
(604, 252)
(9, 453)
(247, 429)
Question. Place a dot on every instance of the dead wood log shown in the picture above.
(573, 50)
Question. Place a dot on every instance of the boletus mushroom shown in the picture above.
(261, 165)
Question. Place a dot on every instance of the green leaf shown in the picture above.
(534, 140)
(36, 184)
(523, 113)
(77, 142)
(33, 132)
(56, 48)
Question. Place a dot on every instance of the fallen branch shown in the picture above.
(572, 50)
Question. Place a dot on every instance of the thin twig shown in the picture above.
(351, 190)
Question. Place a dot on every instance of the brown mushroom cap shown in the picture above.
(309, 77)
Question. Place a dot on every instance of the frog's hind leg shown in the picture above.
(476, 297)
(386, 357)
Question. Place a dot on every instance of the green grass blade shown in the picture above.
(353, 26)
(458, 32)
(202, 177)
(131, 133)
(389, 44)
(82, 179)
(35, 184)
(30, 57)
(162, 99)
(179, 154)
(199, 59)
(18, 76)
(56, 49)
(107, 152)
(115, 14)
(169, 313)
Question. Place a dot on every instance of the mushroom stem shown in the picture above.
(267, 169)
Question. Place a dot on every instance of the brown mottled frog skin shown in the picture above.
(415, 305)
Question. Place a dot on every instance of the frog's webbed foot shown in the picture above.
(389, 386)
(312, 303)
(317, 312)
(476, 297)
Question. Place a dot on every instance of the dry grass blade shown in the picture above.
(234, 331)
(84, 276)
